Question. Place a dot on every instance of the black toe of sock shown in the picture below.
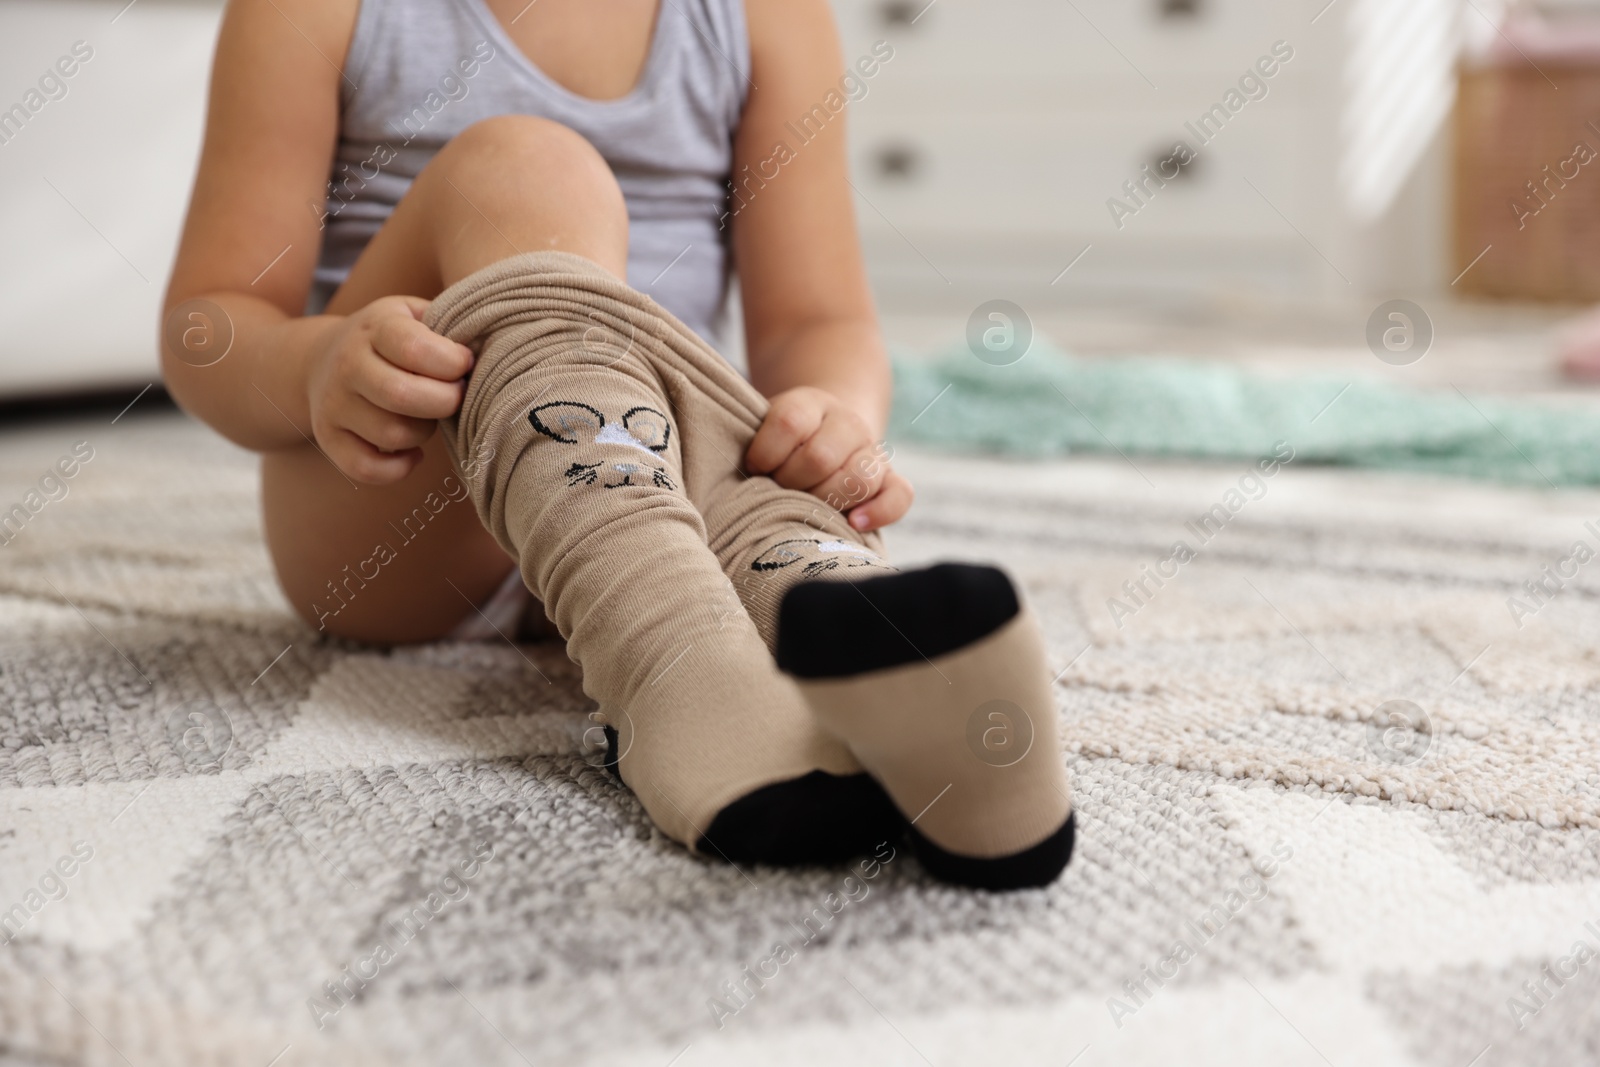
(836, 629)
(816, 819)
(1028, 869)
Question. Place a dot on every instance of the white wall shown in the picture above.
(83, 264)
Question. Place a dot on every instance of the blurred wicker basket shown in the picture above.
(1541, 226)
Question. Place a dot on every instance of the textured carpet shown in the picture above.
(246, 811)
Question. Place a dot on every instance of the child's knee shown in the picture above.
(523, 155)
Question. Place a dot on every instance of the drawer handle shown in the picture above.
(897, 162)
(1167, 163)
(900, 14)
(1178, 9)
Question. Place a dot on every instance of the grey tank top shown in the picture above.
(421, 71)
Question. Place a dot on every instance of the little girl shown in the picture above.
(508, 220)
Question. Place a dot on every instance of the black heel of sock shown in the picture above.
(818, 819)
(837, 629)
(1029, 869)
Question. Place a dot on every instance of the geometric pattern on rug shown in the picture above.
(1225, 742)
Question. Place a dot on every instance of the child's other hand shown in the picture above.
(378, 387)
(810, 440)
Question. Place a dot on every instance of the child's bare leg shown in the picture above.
(506, 185)
(323, 535)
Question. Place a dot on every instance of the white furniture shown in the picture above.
(987, 148)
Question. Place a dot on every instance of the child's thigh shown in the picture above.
(392, 564)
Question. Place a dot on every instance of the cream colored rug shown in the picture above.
(1339, 803)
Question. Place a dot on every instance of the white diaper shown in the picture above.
(499, 615)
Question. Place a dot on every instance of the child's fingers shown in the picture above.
(889, 506)
(411, 346)
(824, 452)
(856, 482)
(385, 430)
(792, 419)
(366, 464)
(417, 306)
(400, 391)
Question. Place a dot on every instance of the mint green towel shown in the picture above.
(1051, 404)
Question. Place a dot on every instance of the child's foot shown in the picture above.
(817, 819)
(936, 679)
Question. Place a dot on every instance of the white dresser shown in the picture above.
(986, 149)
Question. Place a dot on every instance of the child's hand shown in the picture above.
(810, 440)
(378, 386)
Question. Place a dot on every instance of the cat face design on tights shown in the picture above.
(815, 555)
(643, 429)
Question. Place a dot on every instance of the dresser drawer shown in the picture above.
(1108, 47)
(1050, 171)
